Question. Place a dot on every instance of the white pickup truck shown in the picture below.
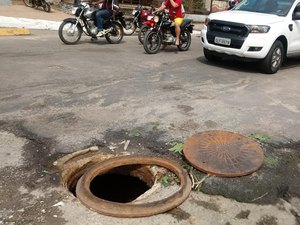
(265, 30)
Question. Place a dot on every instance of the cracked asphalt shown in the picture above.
(57, 99)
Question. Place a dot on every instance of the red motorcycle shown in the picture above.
(140, 15)
(145, 27)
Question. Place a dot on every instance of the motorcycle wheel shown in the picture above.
(152, 42)
(130, 27)
(142, 32)
(28, 3)
(116, 35)
(46, 7)
(185, 40)
(68, 33)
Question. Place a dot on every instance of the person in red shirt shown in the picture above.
(175, 11)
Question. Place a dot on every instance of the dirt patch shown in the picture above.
(243, 214)
(267, 220)
(29, 188)
(179, 214)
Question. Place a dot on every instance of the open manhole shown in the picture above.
(223, 153)
(122, 186)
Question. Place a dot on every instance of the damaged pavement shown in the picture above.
(58, 104)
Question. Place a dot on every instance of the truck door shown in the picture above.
(295, 37)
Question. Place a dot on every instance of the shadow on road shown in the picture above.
(249, 67)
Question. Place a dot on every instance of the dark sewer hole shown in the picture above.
(118, 187)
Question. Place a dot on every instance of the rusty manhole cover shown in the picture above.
(223, 153)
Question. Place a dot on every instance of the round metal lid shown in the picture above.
(223, 153)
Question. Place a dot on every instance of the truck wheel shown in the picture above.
(210, 56)
(274, 58)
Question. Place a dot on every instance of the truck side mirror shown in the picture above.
(296, 15)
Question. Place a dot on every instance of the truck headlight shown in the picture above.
(258, 28)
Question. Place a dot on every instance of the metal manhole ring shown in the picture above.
(128, 209)
(223, 153)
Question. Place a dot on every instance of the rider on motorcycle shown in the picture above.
(175, 11)
(105, 12)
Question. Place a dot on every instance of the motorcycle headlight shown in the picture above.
(134, 12)
(78, 11)
(74, 10)
(258, 28)
(150, 17)
(156, 19)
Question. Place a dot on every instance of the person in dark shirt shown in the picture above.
(105, 12)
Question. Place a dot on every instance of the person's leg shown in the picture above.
(177, 32)
(178, 22)
(106, 14)
(99, 19)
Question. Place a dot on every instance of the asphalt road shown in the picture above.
(103, 86)
(66, 98)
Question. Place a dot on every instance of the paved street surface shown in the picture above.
(57, 99)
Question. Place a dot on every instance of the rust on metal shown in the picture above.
(117, 209)
(223, 153)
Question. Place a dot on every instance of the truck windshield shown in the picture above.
(276, 7)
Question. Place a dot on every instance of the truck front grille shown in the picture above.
(236, 32)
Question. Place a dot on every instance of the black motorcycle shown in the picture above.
(36, 3)
(71, 29)
(163, 33)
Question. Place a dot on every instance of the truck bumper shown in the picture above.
(255, 46)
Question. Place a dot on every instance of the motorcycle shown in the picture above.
(163, 32)
(36, 3)
(145, 27)
(140, 15)
(71, 29)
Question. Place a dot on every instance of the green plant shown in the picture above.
(263, 138)
(177, 147)
(135, 133)
(165, 181)
(271, 162)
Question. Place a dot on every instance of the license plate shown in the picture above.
(222, 41)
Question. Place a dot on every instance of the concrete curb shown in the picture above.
(14, 31)
(29, 23)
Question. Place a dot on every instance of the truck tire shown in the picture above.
(210, 56)
(272, 62)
